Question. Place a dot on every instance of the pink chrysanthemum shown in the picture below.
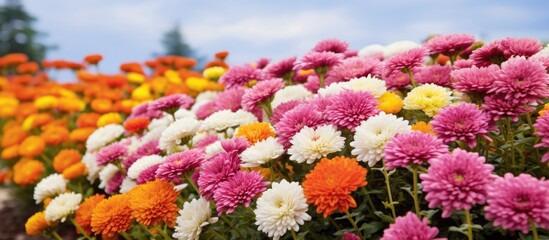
(147, 174)
(318, 60)
(353, 67)
(406, 149)
(206, 109)
(313, 83)
(488, 54)
(217, 169)
(262, 63)
(544, 60)
(282, 69)
(230, 99)
(542, 131)
(331, 45)
(439, 75)
(349, 108)
(404, 61)
(515, 201)
(497, 107)
(410, 227)
(146, 149)
(171, 103)
(349, 236)
(237, 144)
(350, 53)
(239, 189)
(456, 181)
(239, 76)
(111, 153)
(461, 122)
(113, 185)
(179, 164)
(521, 80)
(397, 81)
(262, 92)
(294, 120)
(206, 141)
(281, 109)
(142, 110)
(520, 47)
(449, 44)
(463, 63)
(474, 79)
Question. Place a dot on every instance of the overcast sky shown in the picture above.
(130, 30)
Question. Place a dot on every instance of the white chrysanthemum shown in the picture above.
(180, 187)
(106, 174)
(370, 50)
(373, 85)
(192, 218)
(213, 149)
(281, 208)
(289, 93)
(221, 120)
(261, 152)
(309, 145)
(372, 135)
(103, 136)
(143, 163)
(91, 165)
(62, 206)
(398, 47)
(162, 122)
(203, 98)
(127, 185)
(332, 89)
(184, 113)
(179, 132)
(134, 144)
(49, 186)
(153, 134)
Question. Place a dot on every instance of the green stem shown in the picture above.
(55, 235)
(469, 224)
(216, 233)
(271, 171)
(125, 235)
(120, 167)
(415, 190)
(354, 224)
(192, 184)
(334, 223)
(534, 230)
(294, 236)
(388, 185)
(162, 233)
(412, 79)
(530, 123)
(370, 202)
(510, 141)
(79, 228)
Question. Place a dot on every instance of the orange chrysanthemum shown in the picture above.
(75, 170)
(81, 134)
(67, 104)
(255, 132)
(32, 146)
(55, 135)
(102, 105)
(13, 136)
(93, 58)
(66, 158)
(154, 202)
(26, 109)
(84, 212)
(423, 127)
(330, 184)
(36, 224)
(87, 120)
(136, 125)
(10, 152)
(27, 171)
(28, 67)
(111, 216)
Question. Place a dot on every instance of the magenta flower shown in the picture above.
(520, 47)
(171, 103)
(281, 109)
(542, 131)
(406, 149)
(207, 109)
(349, 108)
(206, 141)
(294, 120)
(488, 54)
(262, 63)
(349, 236)
(397, 81)
(313, 83)
(474, 79)
(319, 61)
(146, 149)
(461, 122)
(353, 67)
(111, 153)
(215, 170)
(262, 92)
(514, 201)
(113, 185)
(404, 61)
(449, 44)
(230, 99)
(331, 45)
(410, 227)
(439, 75)
(142, 110)
(521, 80)
(282, 69)
(239, 76)
(456, 181)
(237, 144)
(462, 63)
(179, 164)
(497, 107)
(239, 189)
(147, 174)
(544, 60)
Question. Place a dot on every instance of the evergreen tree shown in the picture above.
(17, 34)
(174, 43)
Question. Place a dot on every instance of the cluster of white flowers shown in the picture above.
(62, 206)
(261, 152)
(309, 144)
(171, 137)
(142, 164)
(49, 187)
(192, 218)
(373, 85)
(224, 119)
(103, 136)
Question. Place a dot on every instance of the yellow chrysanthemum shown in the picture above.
(36, 224)
(423, 127)
(109, 118)
(46, 102)
(255, 132)
(135, 77)
(173, 76)
(142, 93)
(428, 98)
(67, 93)
(390, 103)
(196, 84)
(8, 106)
(214, 73)
(159, 84)
(8, 101)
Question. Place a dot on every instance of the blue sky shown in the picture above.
(130, 30)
